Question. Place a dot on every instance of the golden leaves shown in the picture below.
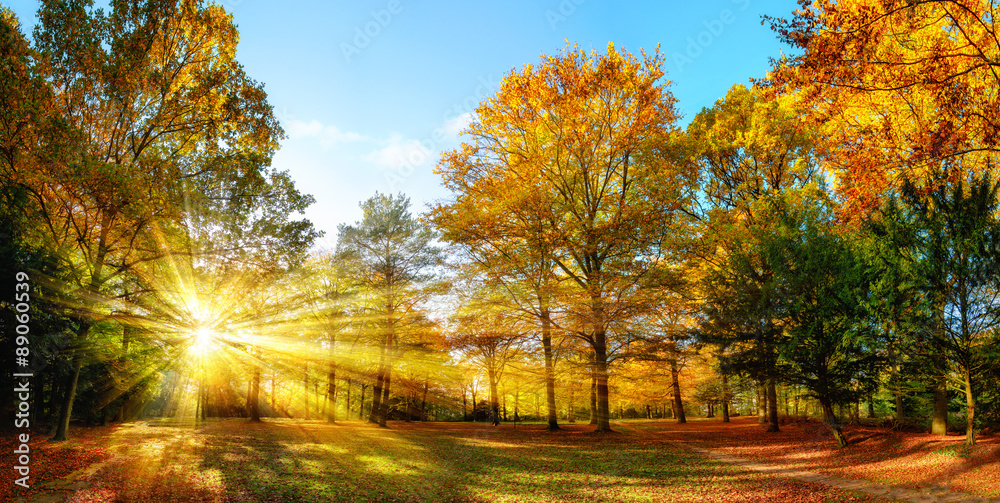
(904, 89)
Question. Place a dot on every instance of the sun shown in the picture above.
(204, 340)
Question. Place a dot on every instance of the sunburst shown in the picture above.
(203, 340)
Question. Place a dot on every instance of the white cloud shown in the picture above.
(398, 153)
(327, 134)
(453, 126)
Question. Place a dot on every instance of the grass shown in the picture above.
(286, 460)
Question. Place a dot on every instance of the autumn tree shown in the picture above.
(663, 333)
(903, 89)
(904, 92)
(490, 337)
(750, 147)
(151, 107)
(592, 133)
(505, 240)
(674, 336)
(388, 255)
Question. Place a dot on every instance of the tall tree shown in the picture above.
(592, 132)
(389, 254)
(750, 147)
(823, 291)
(505, 239)
(742, 311)
(953, 245)
(155, 107)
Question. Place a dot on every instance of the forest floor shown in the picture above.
(904, 465)
(293, 460)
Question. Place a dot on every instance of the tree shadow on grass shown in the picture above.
(284, 460)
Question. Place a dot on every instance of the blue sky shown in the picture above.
(370, 92)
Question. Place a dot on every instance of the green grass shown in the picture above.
(313, 461)
(955, 451)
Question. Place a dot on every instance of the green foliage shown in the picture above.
(388, 248)
(388, 257)
(942, 253)
(789, 304)
(822, 287)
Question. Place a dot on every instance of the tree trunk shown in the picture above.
(600, 346)
(361, 405)
(772, 407)
(465, 406)
(62, 430)
(603, 405)
(550, 378)
(970, 410)
(831, 421)
(377, 391)
(66, 412)
(347, 402)
(383, 414)
(675, 383)
(494, 399)
(939, 421)
(331, 385)
(125, 392)
(725, 398)
(305, 389)
(254, 401)
(331, 395)
(593, 394)
(423, 404)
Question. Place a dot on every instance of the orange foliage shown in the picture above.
(904, 89)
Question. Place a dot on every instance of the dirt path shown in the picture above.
(927, 495)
